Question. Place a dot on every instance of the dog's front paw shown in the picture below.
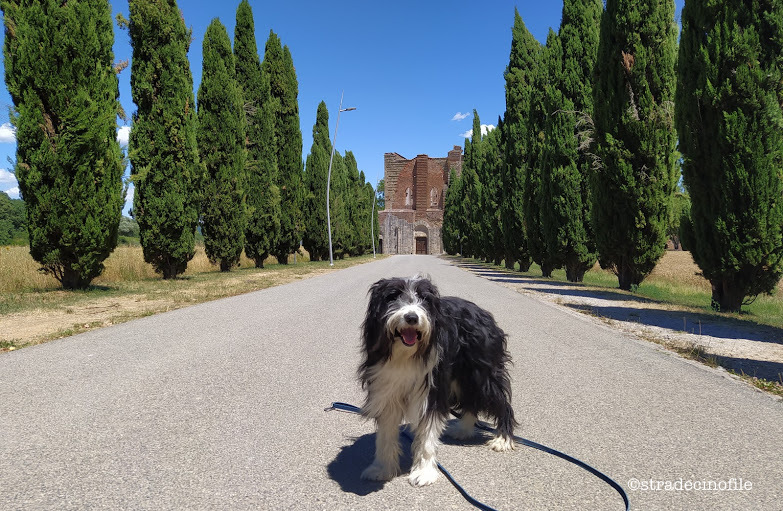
(423, 476)
(379, 472)
(502, 444)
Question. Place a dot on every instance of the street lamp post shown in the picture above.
(329, 175)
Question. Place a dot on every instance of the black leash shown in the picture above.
(345, 407)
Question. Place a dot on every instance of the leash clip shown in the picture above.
(344, 407)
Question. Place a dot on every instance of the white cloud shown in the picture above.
(7, 134)
(7, 177)
(123, 134)
(129, 200)
(485, 128)
(13, 192)
(9, 184)
(459, 116)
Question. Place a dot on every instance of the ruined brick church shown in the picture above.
(415, 190)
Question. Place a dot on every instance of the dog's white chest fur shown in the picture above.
(399, 386)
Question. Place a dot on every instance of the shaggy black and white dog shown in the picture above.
(423, 354)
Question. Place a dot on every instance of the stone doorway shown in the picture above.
(421, 245)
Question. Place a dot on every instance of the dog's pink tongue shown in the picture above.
(408, 336)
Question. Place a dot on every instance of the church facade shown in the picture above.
(414, 191)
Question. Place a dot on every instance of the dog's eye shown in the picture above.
(392, 297)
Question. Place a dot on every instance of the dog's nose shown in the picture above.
(411, 318)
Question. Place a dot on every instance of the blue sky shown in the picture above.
(409, 67)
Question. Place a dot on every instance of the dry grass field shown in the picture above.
(678, 267)
(19, 272)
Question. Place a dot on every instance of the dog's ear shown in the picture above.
(375, 311)
(375, 346)
(428, 292)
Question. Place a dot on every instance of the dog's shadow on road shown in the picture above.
(346, 468)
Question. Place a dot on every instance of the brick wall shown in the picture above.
(393, 164)
(422, 179)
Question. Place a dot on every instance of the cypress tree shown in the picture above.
(520, 79)
(565, 200)
(452, 229)
(535, 146)
(263, 195)
(478, 141)
(278, 65)
(354, 203)
(60, 75)
(471, 189)
(634, 135)
(221, 142)
(493, 154)
(370, 222)
(165, 169)
(364, 196)
(730, 124)
(315, 238)
(338, 197)
(264, 207)
(380, 194)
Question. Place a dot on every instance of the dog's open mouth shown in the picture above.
(409, 336)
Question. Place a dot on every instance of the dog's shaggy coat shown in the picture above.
(422, 355)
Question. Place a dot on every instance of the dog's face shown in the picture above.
(401, 318)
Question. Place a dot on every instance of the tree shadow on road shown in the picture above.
(686, 322)
(346, 468)
(764, 369)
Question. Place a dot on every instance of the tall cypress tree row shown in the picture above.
(729, 118)
(60, 75)
(634, 135)
(315, 238)
(278, 65)
(566, 200)
(221, 142)
(165, 169)
(263, 195)
(520, 78)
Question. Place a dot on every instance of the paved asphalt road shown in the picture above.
(221, 406)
